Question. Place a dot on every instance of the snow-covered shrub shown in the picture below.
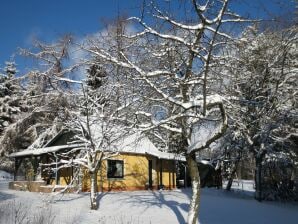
(278, 178)
(13, 212)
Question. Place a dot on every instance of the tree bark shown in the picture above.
(258, 176)
(93, 190)
(231, 176)
(193, 212)
(258, 180)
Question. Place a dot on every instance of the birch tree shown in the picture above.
(170, 58)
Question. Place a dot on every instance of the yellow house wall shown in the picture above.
(65, 177)
(168, 174)
(136, 174)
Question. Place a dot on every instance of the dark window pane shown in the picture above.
(115, 169)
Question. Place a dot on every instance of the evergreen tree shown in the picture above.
(10, 96)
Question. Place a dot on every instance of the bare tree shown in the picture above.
(51, 72)
(98, 123)
(171, 63)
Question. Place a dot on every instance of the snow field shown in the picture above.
(5, 176)
(144, 207)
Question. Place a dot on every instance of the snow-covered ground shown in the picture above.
(243, 186)
(217, 207)
(4, 176)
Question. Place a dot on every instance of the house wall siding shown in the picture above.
(136, 174)
(65, 176)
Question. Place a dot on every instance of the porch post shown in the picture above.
(56, 170)
(37, 169)
(15, 169)
(160, 176)
(185, 176)
(17, 163)
(33, 162)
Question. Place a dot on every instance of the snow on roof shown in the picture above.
(124, 140)
(134, 143)
(120, 138)
(40, 151)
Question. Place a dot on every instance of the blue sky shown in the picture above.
(23, 20)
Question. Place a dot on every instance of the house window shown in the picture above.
(115, 169)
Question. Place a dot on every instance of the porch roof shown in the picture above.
(44, 150)
(167, 155)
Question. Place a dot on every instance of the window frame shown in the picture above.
(109, 176)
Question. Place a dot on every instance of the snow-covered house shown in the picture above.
(136, 165)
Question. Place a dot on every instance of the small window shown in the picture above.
(115, 169)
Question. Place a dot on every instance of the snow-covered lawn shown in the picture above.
(4, 176)
(160, 207)
(243, 186)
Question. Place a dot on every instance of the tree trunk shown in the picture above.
(258, 176)
(258, 180)
(193, 212)
(231, 177)
(93, 190)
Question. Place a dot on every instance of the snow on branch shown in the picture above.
(200, 143)
(143, 74)
(152, 31)
(179, 25)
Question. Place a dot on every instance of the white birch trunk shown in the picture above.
(93, 190)
(193, 211)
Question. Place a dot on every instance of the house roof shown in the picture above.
(134, 143)
(40, 151)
